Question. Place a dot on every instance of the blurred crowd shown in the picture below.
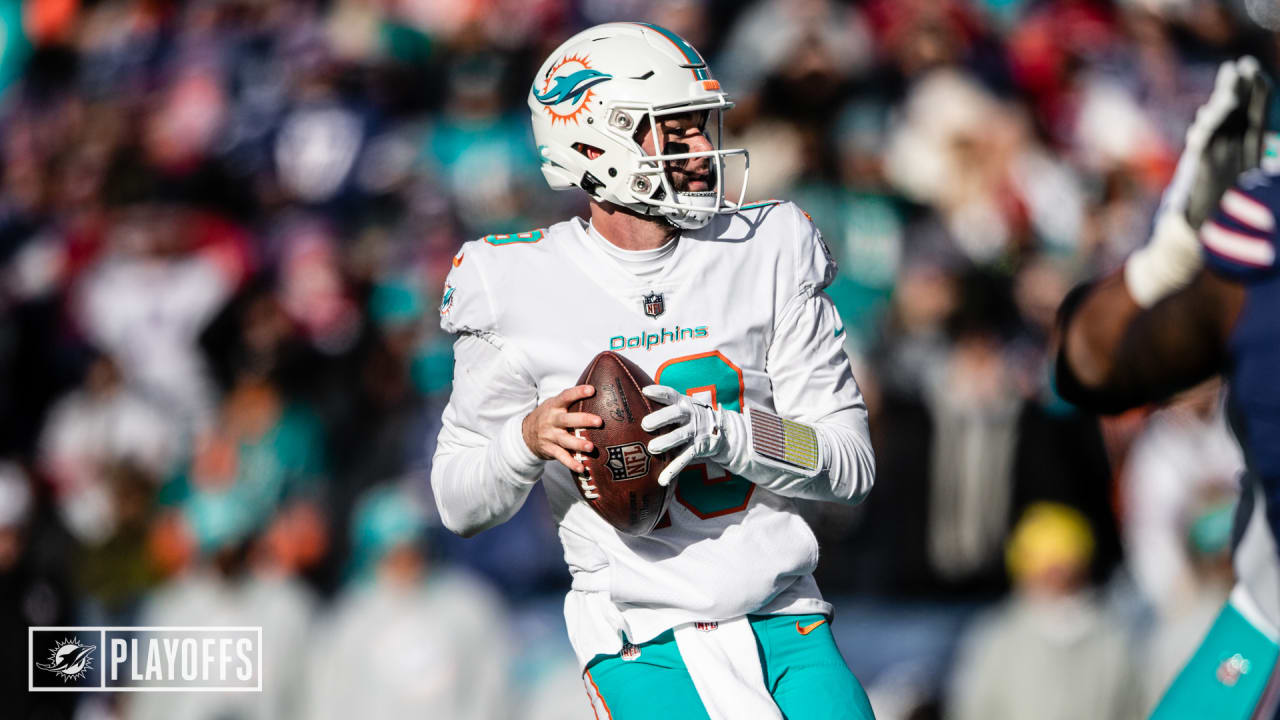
(225, 224)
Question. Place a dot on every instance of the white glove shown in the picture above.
(1224, 140)
(700, 427)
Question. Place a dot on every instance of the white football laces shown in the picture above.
(589, 490)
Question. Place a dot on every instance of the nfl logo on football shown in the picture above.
(627, 461)
(653, 305)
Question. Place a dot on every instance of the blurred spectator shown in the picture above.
(32, 592)
(483, 152)
(233, 581)
(93, 430)
(1179, 490)
(1052, 650)
(807, 44)
(862, 221)
(319, 142)
(264, 448)
(407, 638)
(1180, 627)
(1185, 458)
(975, 159)
(312, 287)
(975, 410)
(15, 46)
(146, 302)
(884, 544)
(114, 572)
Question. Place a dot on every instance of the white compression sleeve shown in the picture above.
(483, 471)
(817, 446)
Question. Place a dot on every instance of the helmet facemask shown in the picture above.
(649, 181)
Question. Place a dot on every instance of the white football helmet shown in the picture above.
(598, 88)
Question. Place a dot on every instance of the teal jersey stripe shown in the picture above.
(762, 203)
(689, 53)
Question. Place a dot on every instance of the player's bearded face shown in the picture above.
(676, 134)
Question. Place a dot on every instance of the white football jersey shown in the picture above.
(735, 316)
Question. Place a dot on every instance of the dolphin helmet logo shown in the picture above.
(567, 88)
(69, 659)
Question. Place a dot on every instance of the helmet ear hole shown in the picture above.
(590, 152)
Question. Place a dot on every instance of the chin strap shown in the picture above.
(703, 205)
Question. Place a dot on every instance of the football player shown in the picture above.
(715, 613)
(1203, 298)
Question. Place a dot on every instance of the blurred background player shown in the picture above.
(1197, 301)
(717, 603)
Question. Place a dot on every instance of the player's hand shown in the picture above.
(1224, 140)
(548, 430)
(698, 428)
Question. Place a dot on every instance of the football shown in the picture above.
(621, 481)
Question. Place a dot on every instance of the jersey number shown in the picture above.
(531, 236)
(715, 379)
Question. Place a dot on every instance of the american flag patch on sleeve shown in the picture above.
(784, 441)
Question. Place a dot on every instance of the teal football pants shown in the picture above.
(803, 671)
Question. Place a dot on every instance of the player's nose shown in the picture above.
(698, 142)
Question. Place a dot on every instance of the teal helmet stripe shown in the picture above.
(689, 53)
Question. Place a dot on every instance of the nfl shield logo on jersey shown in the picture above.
(628, 461)
(653, 305)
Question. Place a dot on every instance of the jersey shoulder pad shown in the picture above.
(472, 297)
(466, 304)
(747, 223)
(816, 268)
(780, 226)
(802, 248)
(1239, 239)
